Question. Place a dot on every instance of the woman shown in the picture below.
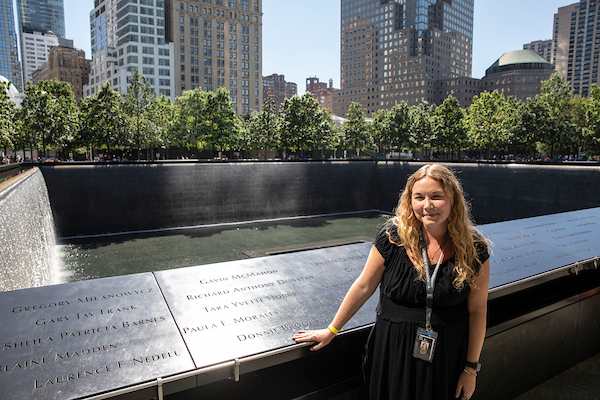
(408, 355)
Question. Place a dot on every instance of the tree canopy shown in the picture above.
(554, 123)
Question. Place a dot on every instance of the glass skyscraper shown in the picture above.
(42, 16)
(396, 50)
(9, 55)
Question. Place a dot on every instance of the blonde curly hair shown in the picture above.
(460, 227)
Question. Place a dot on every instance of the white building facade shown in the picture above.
(129, 35)
(35, 47)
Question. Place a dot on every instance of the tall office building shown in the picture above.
(35, 47)
(129, 35)
(396, 50)
(42, 16)
(542, 47)
(9, 54)
(218, 43)
(575, 49)
(41, 26)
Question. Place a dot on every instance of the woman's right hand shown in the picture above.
(321, 337)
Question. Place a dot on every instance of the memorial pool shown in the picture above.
(92, 257)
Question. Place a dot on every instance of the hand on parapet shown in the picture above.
(321, 337)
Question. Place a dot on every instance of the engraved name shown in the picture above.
(572, 234)
(70, 377)
(258, 300)
(251, 274)
(519, 256)
(580, 218)
(572, 243)
(141, 360)
(304, 278)
(255, 317)
(248, 288)
(114, 296)
(304, 324)
(539, 226)
(201, 328)
(25, 343)
(104, 311)
(238, 276)
(337, 285)
(331, 301)
(256, 335)
(520, 236)
(84, 352)
(496, 233)
(23, 364)
(506, 271)
(340, 260)
(572, 253)
(518, 246)
(40, 306)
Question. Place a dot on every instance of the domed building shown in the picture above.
(517, 73)
(13, 93)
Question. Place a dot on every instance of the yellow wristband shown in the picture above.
(333, 330)
(470, 373)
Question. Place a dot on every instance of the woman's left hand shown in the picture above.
(466, 385)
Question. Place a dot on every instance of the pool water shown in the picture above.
(102, 256)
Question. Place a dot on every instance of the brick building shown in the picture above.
(67, 65)
(278, 89)
(323, 93)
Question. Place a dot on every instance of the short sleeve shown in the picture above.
(481, 248)
(382, 240)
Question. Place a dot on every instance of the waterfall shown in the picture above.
(27, 235)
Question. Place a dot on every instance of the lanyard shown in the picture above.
(430, 283)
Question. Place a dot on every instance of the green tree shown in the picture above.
(355, 135)
(49, 114)
(556, 97)
(136, 102)
(421, 134)
(450, 133)
(8, 127)
(398, 124)
(246, 140)
(103, 122)
(379, 131)
(301, 123)
(323, 136)
(592, 115)
(577, 141)
(515, 115)
(206, 119)
(160, 111)
(485, 121)
(221, 122)
(189, 118)
(264, 127)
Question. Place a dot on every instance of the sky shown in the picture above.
(301, 39)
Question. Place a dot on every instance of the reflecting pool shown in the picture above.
(120, 254)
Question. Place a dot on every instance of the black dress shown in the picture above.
(391, 371)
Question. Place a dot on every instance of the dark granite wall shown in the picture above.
(502, 192)
(114, 198)
(92, 199)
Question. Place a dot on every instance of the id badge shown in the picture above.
(425, 344)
